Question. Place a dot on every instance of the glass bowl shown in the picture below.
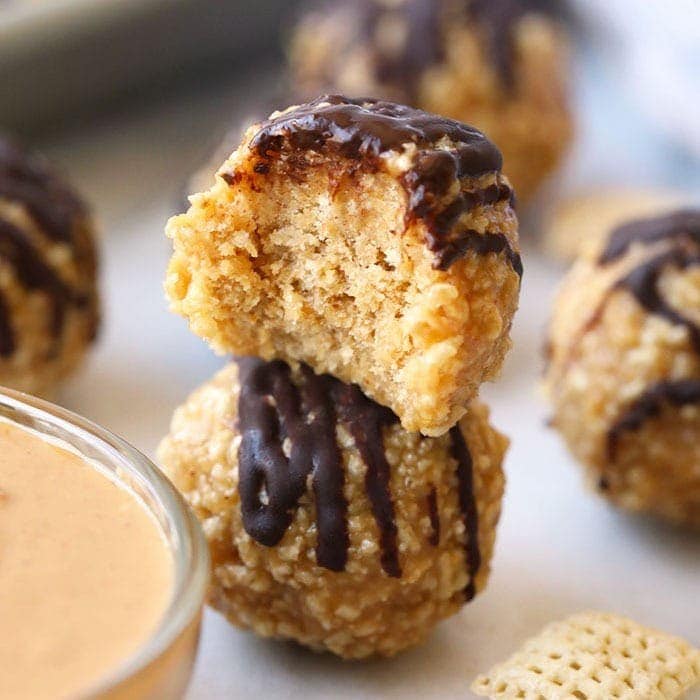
(161, 668)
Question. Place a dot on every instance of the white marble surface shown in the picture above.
(559, 550)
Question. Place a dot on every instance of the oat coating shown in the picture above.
(48, 296)
(500, 65)
(362, 606)
(374, 242)
(624, 365)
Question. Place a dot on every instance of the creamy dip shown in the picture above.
(85, 574)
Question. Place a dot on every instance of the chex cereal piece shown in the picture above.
(595, 656)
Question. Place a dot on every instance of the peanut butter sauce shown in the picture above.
(85, 574)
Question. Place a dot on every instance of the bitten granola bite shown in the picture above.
(624, 365)
(328, 523)
(372, 241)
(592, 656)
(500, 65)
(48, 294)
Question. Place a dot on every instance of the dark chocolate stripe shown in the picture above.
(676, 393)
(365, 420)
(642, 283)
(468, 240)
(272, 409)
(467, 503)
(679, 224)
(423, 46)
(7, 336)
(427, 184)
(33, 273)
(498, 20)
(27, 180)
(270, 482)
(434, 515)
(367, 128)
(493, 194)
(328, 474)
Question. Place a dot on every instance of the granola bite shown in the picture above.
(624, 365)
(500, 65)
(595, 655)
(48, 294)
(328, 523)
(372, 241)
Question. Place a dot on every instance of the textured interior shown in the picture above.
(323, 269)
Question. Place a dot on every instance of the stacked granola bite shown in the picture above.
(360, 260)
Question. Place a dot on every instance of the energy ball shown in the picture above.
(500, 65)
(48, 295)
(624, 365)
(373, 241)
(328, 523)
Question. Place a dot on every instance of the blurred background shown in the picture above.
(66, 63)
(129, 97)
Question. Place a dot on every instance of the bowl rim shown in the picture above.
(182, 530)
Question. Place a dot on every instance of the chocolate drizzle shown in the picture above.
(34, 274)
(467, 504)
(273, 411)
(422, 47)
(288, 440)
(678, 393)
(25, 180)
(28, 181)
(434, 516)
(642, 283)
(498, 19)
(366, 420)
(366, 128)
(363, 130)
(681, 229)
(447, 252)
(8, 344)
(449, 240)
(684, 224)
